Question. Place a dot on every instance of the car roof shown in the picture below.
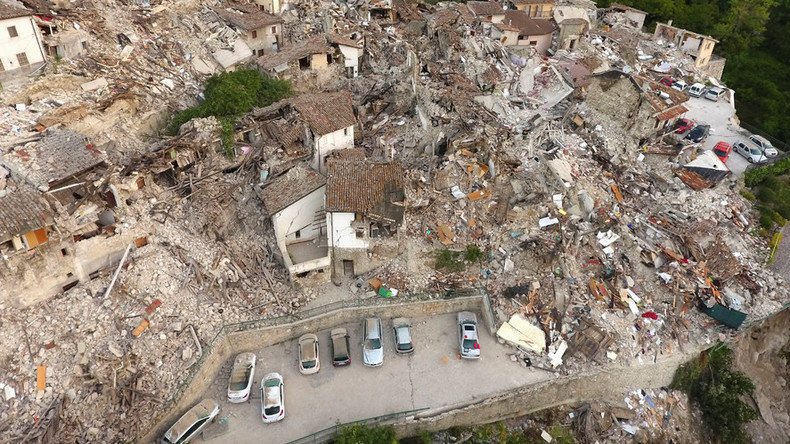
(404, 333)
(762, 139)
(308, 349)
(202, 410)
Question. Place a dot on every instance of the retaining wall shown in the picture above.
(251, 336)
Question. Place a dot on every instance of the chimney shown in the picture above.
(669, 22)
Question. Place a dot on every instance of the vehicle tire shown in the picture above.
(750, 160)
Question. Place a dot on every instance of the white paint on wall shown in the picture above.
(298, 217)
(343, 235)
(27, 41)
(337, 140)
(351, 58)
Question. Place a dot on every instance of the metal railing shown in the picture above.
(326, 435)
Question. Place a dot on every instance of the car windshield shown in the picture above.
(404, 346)
(720, 152)
(756, 152)
(469, 343)
(271, 383)
(372, 344)
(308, 364)
(271, 411)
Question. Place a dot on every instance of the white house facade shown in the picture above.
(20, 42)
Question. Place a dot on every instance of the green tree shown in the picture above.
(742, 27)
(363, 434)
(717, 389)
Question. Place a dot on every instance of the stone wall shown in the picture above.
(246, 337)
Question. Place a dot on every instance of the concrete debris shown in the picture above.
(552, 180)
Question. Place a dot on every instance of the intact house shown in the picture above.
(573, 24)
(534, 32)
(697, 46)
(330, 121)
(295, 203)
(639, 105)
(632, 17)
(534, 8)
(487, 11)
(310, 55)
(349, 50)
(365, 206)
(261, 31)
(20, 41)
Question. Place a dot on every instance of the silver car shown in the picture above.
(372, 348)
(764, 145)
(192, 423)
(750, 152)
(402, 328)
(308, 354)
(468, 339)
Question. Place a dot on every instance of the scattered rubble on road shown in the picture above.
(550, 179)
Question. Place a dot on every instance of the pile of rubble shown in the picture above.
(528, 170)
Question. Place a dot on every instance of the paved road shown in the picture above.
(433, 376)
(719, 116)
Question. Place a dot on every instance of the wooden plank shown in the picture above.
(41, 377)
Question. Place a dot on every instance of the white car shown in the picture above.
(241, 377)
(764, 145)
(192, 423)
(468, 339)
(272, 398)
(372, 348)
(308, 354)
(697, 90)
(680, 85)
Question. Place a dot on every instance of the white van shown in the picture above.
(714, 94)
(697, 90)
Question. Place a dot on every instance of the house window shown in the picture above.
(22, 59)
(12, 32)
(274, 30)
(357, 217)
(255, 34)
(345, 131)
(360, 233)
(533, 43)
(260, 52)
(298, 234)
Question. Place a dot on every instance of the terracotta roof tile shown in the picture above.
(528, 26)
(245, 16)
(356, 186)
(59, 155)
(22, 211)
(287, 189)
(8, 11)
(485, 9)
(325, 112)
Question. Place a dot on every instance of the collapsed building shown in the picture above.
(414, 130)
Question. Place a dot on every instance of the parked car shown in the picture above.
(468, 339)
(309, 362)
(698, 134)
(680, 85)
(722, 150)
(697, 90)
(714, 94)
(750, 152)
(667, 81)
(684, 125)
(340, 348)
(372, 348)
(272, 398)
(764, 145)
(192, 423)
(241, 377)
(402, 328)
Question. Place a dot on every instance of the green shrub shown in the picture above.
(473, 253)
(748, 195)
(716, 389)
(449, 261)
(229, 95)
(758, 175)
(363, 434)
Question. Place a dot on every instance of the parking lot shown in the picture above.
(433, 376)
(719, 116)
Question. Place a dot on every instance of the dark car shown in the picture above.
(698, 134)
(340, 347)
